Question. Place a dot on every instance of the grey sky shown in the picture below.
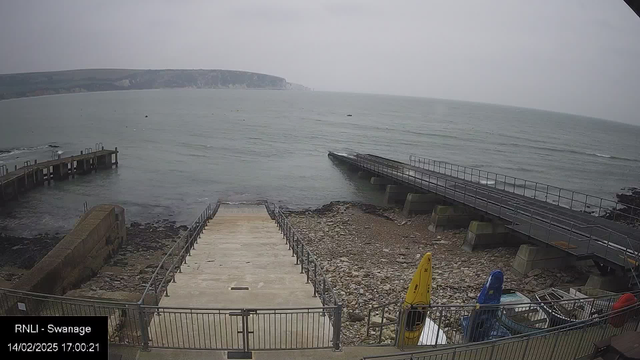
(577, 56)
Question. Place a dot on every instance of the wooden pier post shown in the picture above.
(49, 175)
(73, 169)
(116, 156)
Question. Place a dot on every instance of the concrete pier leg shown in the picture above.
(116, 156)
(48, 175)
(381, 181)
(364, 174)
(607, 282)
(59, 172)
(483, 235)
(531, 257)
(449, 218)
(420, 203)
(40, 177)
(80, 166)
(395, 194)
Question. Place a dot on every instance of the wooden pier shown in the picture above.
(21, 180)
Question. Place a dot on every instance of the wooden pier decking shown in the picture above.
(21, 180)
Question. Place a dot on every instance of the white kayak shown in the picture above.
(431, 334)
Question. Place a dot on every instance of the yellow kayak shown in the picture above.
(419, 293)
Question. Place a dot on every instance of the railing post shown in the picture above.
(402, 320)
(526, 347)
(337, 327)
(308, 266)
(315, 278)
(324, 290)
(301, 256)
(571, 205)
(144, 330)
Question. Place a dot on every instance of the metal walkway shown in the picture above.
(540, 212)
(239, 290)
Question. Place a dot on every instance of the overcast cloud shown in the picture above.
(576, 56)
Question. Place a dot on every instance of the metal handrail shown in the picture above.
(66, 299)
(394, 307)
(446, 186)
(537, 187)
(299, 249)
(189, 238)
(624, 314)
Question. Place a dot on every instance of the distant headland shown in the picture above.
(88, 80)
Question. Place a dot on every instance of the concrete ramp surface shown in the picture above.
(241, 275)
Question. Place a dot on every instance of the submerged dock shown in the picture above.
(21, 180)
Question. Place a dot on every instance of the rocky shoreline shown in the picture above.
(127, 272)
(19, 254)
(125, 276)
(370, 254)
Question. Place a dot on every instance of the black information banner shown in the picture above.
(54, 337)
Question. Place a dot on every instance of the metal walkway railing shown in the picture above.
(581, 234)
(232, 329)
(537, 190)
(177, 256)
(566, 342)
(450, 323)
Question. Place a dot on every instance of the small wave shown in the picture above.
(12, 151)
(600, 155)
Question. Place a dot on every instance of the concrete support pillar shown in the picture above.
(449, 218)
(104, 162)
(395, 194)
(40, 177)
(531, 257)
(81, 166)
(382, 181)
(420, 203)
(364, 174)
(611, 282)
(58, 172)
(29, 180)
(483, 235)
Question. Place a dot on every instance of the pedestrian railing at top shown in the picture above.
(570, 341)
(449, 320)
(552, 194)
(308, 263)
(125, 325)
(572, 236)
(176, 256)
